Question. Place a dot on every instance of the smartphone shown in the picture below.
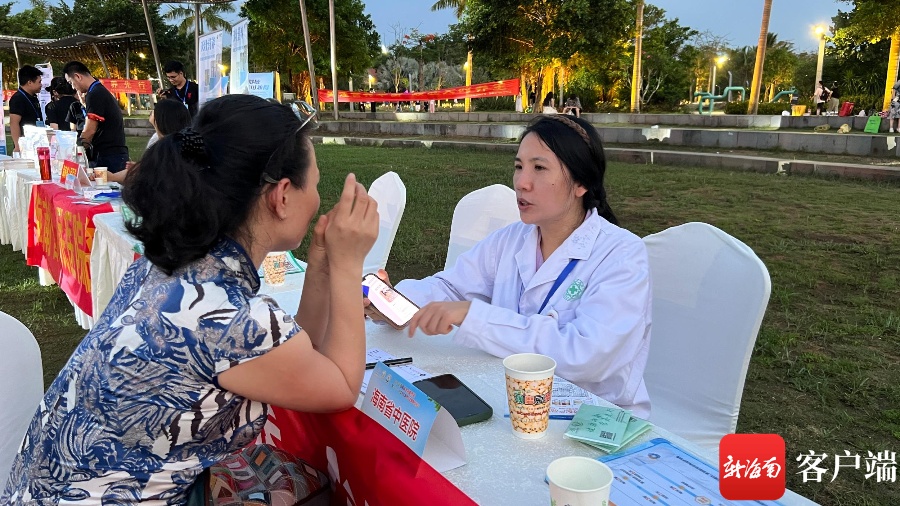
(464, 404)
(392, 305)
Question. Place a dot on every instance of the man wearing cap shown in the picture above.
(104, 129)
(24, 107)
(53, 110)
(66, 97)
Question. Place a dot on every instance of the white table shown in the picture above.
(503, 469)
(17, 196)
(112, 253)
(8, 182)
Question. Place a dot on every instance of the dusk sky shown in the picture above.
(738, 21)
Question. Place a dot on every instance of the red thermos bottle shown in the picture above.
(44, 163)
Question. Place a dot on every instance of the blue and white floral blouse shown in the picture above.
(136, 413)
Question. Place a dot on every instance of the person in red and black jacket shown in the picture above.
(104, 129)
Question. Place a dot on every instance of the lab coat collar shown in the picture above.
(578, 245)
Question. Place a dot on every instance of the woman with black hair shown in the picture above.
(179, 370)
(167, 117)
(565, 282)
(548, 106)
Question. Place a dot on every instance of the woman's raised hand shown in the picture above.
(351, 227)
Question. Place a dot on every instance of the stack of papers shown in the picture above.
(605, 428)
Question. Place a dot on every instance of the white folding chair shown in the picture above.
(478, 214)
(21, 387)
(709, 296)
(390, 193)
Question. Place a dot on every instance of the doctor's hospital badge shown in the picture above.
(575, 290)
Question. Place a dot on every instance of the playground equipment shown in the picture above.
(711, 99)
(790, 92)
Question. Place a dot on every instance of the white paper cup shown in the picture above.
(529, 385)
(100, 175)
(579, 481)
(275, 268)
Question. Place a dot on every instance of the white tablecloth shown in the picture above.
(17, 195)
(8, 183)
(503, 469)
(111, 254)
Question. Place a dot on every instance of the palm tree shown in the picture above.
(459, 5)
(210, 15)
(893, 64)
(636, 70)
(760, 58)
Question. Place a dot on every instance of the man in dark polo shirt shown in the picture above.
(186, 92)
(104, 129)
(24, 107)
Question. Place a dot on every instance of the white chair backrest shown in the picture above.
(478, 214)
(21, 387)
(390, 193)
(710, 293)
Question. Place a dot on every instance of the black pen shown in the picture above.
(393, 361)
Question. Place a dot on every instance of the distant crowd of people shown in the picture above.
(81, 103)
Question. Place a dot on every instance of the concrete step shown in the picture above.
(139, 131)
(830, 142)
(684, 120)
(772, 165)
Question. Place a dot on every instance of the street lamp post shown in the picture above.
(712, 82)
(820, 34)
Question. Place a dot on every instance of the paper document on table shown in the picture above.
(409, 372)
(567, 397)
(670, 475)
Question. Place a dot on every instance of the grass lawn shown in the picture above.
(830, 343)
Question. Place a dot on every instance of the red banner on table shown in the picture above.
(60, 238)
(140, 86)
(367, 463)
(494, 89)
(7, 94)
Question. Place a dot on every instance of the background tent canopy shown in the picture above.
(78, 47)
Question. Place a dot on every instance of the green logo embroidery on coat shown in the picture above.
(575, 290)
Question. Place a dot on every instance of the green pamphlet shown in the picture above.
(605, 428)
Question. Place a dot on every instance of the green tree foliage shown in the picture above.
(30, 23)
(665, 78)
(856, 60)
(531, 34)
(92, 17)
(210, 17)
(98, 17)
(276, 39)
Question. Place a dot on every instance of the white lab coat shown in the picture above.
(596, 325)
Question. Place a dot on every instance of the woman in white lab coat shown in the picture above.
(565, 282)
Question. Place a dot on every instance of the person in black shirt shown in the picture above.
(104, 129)
(50, 118)
(24, 107)
(77, 115)
(186, 92)
(64, 104)
(57, 115)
